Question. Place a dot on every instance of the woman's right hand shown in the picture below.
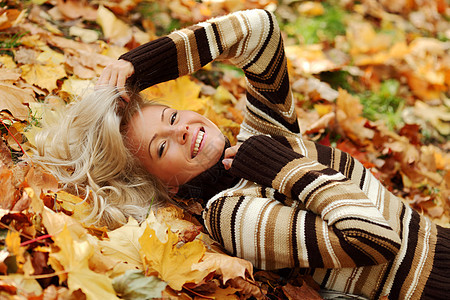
(116, 74)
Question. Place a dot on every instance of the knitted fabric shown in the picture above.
(298, 204)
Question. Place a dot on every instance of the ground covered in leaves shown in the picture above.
(370, 77)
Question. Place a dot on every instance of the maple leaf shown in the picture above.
(181, 93)
(135, 285)
(228, 266)
(73, 256)
(172, 264)
(15, 99)
(44, 76)
(113, 28)
(123, 245)
(12, 242)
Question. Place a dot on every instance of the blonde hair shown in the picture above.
(86, 150)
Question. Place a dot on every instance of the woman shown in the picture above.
(284, 201)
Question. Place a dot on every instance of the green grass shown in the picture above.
(385, 104)
(311, 30)
(9, 41)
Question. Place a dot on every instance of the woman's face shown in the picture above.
(174, 145)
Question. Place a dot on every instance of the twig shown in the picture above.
(10, 133)
(36, 239)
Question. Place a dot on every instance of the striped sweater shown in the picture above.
(298, 204)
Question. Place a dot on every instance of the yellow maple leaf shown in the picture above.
(12, 242)
(181, 93)
(173, 264)
(113, 28)
(43, 76)
(123, 244)
(73, 256)
(228, 266)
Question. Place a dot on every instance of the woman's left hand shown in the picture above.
(230, 153)
(116, 75)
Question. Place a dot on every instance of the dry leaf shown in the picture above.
(228, 266)
(172, 264)
(123, 244)
(114, 29)
(181, 94)
(73, 256)
(299, 293)
(44, 76)
(14, 100)
(74, 9)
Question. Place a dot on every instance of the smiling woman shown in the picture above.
(275, 199)
(170, 144)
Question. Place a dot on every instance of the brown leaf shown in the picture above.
(228, 266)
(7, 189)
(8, 17)
(300, 293)
(39, 180)
(74, 9)
(246, 287)
(14, 100)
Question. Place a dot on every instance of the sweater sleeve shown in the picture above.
(360, 230)
(250, 40)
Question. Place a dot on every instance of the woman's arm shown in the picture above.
(250, 40)
(356, 228)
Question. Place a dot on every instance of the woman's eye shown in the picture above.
(161, 149)
(173, 117)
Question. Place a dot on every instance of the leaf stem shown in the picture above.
(36, 239)
(10, 133)
(41, 276)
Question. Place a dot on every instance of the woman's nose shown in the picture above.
(181, 133)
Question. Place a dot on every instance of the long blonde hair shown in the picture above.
(86, 150)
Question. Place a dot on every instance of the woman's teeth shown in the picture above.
(197, 143)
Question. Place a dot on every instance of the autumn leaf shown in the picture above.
(181, 93)
(44, 76)
(123, 245)
(73, 256)
(113, 28)
(228, 266)
(12, 242)
(172, 264)
(349, 111)
(15, 99)
(134, 285)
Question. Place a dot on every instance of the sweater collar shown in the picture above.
(210, 182)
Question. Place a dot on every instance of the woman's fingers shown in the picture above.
(229, 155)
(116, 75)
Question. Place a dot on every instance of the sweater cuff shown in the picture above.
(153, 62)
(260, 158)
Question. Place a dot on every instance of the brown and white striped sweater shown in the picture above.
(299, 204)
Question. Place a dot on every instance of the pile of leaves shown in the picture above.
(369, 77)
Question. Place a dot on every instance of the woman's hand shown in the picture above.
(116, 74)
(230, 153)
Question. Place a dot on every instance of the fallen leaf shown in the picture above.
(134, 285)
(74, 9)
(114, 29)
(228, 266)
(14, 100)
(44, 76)
(181, 93)
(73, 256)
(40, 180)
(123, 245)
(299, 293)
(172, 264)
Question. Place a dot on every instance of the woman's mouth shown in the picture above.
(198, 142)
